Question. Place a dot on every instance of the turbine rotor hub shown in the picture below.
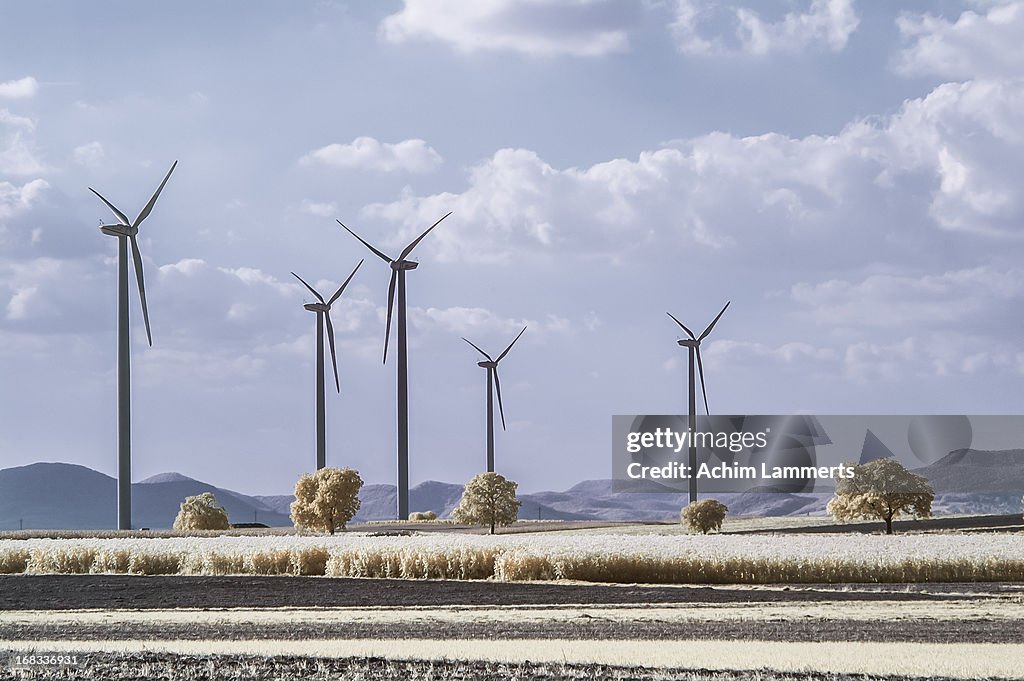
(404, 265)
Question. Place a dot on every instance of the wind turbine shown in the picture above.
(693, 345)
(399, 267)
(493, 386)
(323, 311)
(126, 231)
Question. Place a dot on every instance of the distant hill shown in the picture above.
(68, 496)
(973, 470)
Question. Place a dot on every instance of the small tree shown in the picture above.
(326, 500)
(201, 512)
(489, 499)
(881, 489)
(704, 515)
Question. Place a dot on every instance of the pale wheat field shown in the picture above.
(687, 559)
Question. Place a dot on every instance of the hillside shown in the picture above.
(68, 496)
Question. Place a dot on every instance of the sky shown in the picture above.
(846, 172)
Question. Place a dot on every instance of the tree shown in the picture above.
(881, 489)
(201, 512)
(704, 515)
(326, 500)
(489, 499)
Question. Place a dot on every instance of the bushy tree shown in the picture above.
(704, 515)
(326, 500)
(489, 499)
(881, 489)
(201, 512)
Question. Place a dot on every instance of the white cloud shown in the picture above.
(957, 297)
(412, 155)
(15, 200)
(977, 45)
(867, 361)
(20, 304)
(476, 322)
(950, 160)
(321, 210)
(23, 88)
(725, 352)
(581, 28)
(826, 24)
(17, 150)
(90, 154)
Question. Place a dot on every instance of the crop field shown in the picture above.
(609, 558)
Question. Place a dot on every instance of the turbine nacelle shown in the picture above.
(487, 365)
(317, 307)
(689, 343)
(404, 265)
(119, 230)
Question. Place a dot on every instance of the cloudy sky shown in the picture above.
(846, 172)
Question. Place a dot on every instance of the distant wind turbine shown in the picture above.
(126, 231)
(493, 386)
(693, 345)
(399, 267)
(323, 311)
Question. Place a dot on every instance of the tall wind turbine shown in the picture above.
(693, 345)
(399, 267)
(323, 311)
(493, 386)
(126, 231)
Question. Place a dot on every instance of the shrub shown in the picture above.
(12, 562)
(422, 516)
(75, 560)
(309, 561)
(201, 512)
(489, 499)
(326, 500)
(881, 489)
(704, 515)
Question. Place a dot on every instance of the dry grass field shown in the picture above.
(770, 599)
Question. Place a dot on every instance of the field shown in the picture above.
(624, 558)
(583, 602)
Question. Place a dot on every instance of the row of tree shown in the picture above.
(327, 500)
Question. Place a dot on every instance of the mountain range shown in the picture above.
(69, 496)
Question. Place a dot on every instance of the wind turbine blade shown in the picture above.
(365, 243)
(478, 349)
(311, 289)
(700, 368)
(408, 249)
(497, 389)
(683, 326)
(334, 356)
(137, 257)
(152, 201)
(118, 214)
(337, 294)
(713, 322)
(502, 355)
(391, 305)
